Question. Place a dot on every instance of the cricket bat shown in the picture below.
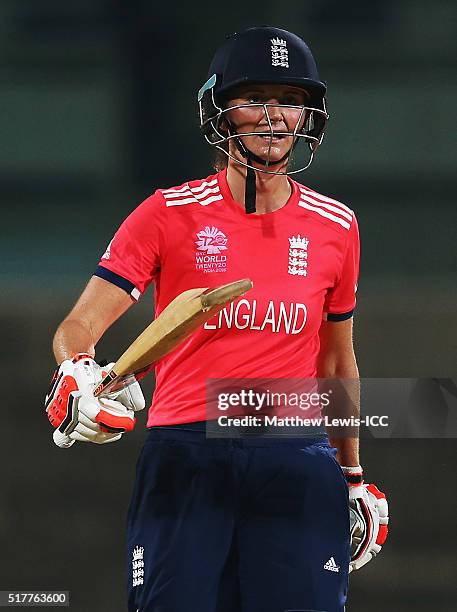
(176, 322)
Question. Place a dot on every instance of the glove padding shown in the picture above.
(369, 518)
(78, 415)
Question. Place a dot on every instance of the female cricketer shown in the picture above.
(254, 523)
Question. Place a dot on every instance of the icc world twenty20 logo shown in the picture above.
(211, 244)
(211, 240)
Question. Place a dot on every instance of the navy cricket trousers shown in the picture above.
(237, 525)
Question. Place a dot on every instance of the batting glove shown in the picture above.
(78, 415)
(369, 518)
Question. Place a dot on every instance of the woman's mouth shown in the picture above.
(272, 137)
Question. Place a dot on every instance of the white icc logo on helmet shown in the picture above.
(211, 244)
(279, 53)
(298, 256)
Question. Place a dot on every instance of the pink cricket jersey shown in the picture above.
(302, 258)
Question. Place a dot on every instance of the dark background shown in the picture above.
(98, 108)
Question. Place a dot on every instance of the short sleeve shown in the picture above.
(341, 298)
(132, 258)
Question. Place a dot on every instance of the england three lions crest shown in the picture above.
(279, 53)
(298, 256)
(138, 566)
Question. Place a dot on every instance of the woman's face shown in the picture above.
(255, 119)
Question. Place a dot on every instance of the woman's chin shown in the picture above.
(274, 153)
(272, 157)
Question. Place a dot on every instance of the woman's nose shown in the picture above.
(274, 111)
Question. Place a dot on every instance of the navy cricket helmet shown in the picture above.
(263, 55)
(266, 55)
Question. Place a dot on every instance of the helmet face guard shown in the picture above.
(219, 131)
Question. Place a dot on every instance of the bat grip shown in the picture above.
(103, 387)
(113, 382)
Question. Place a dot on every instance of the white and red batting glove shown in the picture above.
(78, 415)
(369, 518)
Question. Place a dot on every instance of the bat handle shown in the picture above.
(105, 384)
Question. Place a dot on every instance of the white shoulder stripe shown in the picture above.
(314, 194)
(335, 209)
(187, 187)
(193, 200)
(198, 196)
(324, 213)
(211, 199)
(181, 201)
(202, 194)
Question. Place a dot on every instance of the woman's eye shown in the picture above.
(291, 101)
(254, 99)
